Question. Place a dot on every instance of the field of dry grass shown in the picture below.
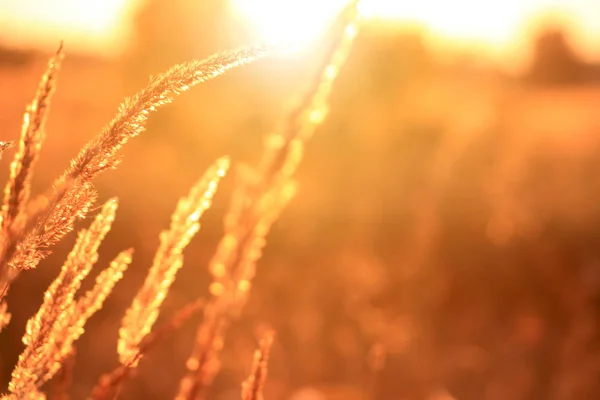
(443, 242)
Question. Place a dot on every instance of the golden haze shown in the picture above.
(493, 28)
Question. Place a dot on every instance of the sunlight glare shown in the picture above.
(294, 21)
(491, 25)
(301, 20)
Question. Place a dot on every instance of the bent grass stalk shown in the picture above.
(73, 193)
(252, 387)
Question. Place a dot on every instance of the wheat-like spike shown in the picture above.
(273, 204)
(35, 245)
(203, 365)
(16, 193)
(92, 301)
(78, 314)
(283, 153)
(33, 395)
(129, 121)
(73, 192)
(85, 307)
(142, 313)
(53, 226)
(229, 295)
(110, 384)
(284, 147)
(53, 322)
(253, 386)
(255, 205)
(243, 250)
(79, 263)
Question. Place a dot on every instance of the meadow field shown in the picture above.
(444, 242)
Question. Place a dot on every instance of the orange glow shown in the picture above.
(89, 26)
(495, 27)
(490, 22)
(470, 20)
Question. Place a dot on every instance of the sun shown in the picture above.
(293, 21)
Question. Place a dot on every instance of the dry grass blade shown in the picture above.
(142, 313)
(240, 253)
(110, 384)
(79, 263)
(284, 148)
(59, 321)
(53, 226)
(253, 386)
(229, 295)
(259, 197)
(86, 306)
(129, 121)
(17, 191)
(79, 313)
(92, 301)
(203, 365)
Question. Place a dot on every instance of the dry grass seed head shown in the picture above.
(252, 387)
(259, 197)
(141, 315)
(17, 191)
(60, 319)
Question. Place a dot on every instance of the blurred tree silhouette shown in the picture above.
(15, 58)
(555, 62)
(171, 32)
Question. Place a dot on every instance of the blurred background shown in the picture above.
(445, 241)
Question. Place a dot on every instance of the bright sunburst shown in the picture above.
(496, 26)
(292, 21)
(300, 21)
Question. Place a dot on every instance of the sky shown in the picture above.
(496, 26)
